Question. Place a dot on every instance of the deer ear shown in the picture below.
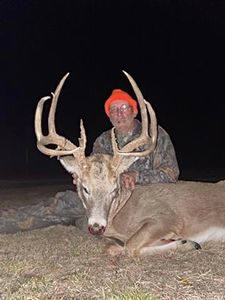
(70, 164)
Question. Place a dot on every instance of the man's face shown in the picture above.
(121, 115)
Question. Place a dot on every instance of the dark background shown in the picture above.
(173, 49)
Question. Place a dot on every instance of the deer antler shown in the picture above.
(148, 136)
(64, 146)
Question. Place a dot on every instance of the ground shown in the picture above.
(61, 262)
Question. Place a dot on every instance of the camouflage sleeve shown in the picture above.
(161, 165)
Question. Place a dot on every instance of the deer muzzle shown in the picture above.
(96, 229)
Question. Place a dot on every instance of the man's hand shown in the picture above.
(129, 179)
(75, 177)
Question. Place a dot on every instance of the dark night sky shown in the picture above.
(173, 49)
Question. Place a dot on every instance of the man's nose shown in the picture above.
(119, 111)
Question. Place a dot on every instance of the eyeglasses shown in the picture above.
(122, 109)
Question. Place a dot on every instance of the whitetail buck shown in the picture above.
(150, 219)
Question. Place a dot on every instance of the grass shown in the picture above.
(133, 295)
(60, 262)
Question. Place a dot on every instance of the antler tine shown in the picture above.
(140, 98)
(64, 146)
(55, 97)
(148, 136)
(38, 115)
(82, 139)
(153, 128)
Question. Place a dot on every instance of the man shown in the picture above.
(159, 166)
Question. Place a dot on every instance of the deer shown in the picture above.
(150, 219)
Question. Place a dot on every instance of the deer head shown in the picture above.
(98, 181)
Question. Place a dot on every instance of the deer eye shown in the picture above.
(86, 190)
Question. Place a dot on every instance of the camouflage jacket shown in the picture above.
(159, 166)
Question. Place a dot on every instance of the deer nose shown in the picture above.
(96, 229)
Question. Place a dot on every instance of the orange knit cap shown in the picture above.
(120, 95)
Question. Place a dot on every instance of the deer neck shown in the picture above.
(118, 203)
